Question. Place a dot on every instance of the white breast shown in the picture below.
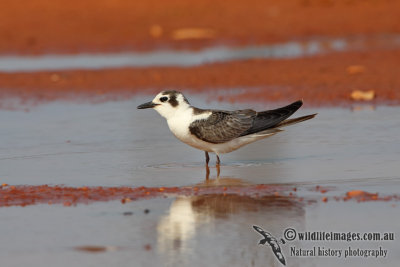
(179, 126)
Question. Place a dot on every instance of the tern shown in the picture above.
(220, 131)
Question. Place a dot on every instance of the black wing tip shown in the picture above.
(298, 103)
(294, 106)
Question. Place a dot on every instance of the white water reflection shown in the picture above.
(223, 225)
(293, 49)
(164, 58)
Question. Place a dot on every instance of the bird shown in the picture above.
(220, 131)
(273, 242)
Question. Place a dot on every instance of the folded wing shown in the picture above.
(223, 126)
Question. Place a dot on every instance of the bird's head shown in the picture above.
(167, 103)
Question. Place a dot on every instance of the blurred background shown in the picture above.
(319, 50)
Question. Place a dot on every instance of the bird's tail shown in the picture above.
(295, 120)
(265, 133)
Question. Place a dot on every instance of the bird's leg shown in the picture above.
(217, 166)
(207, 169)
(207, 158)
(207, 172)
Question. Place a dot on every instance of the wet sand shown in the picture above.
(44, 194)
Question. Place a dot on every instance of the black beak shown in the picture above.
(147, 105)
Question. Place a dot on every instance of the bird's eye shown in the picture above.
(163, 99)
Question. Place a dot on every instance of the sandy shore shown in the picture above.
(62, 26)
(44, 194)
(324, 80)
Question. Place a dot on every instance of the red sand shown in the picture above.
(42, 194)
(43, 26)
(322, 80)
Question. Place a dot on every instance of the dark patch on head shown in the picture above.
(170, 92)
(173, 97)
(172, 100)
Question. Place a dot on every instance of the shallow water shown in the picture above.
(293, 49)
(114, 144)
(183, 231)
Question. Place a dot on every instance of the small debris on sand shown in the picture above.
(359, 95)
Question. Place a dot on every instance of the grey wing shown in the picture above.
(223, 126)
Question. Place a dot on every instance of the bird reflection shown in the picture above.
(217, 166)
(211, 222)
